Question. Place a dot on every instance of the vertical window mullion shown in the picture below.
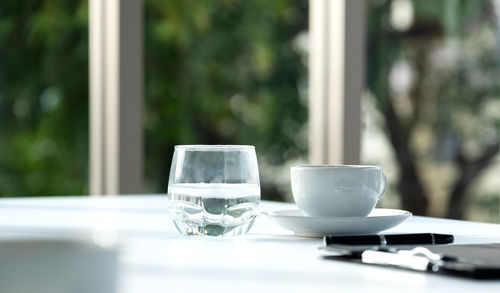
(336, 80)
(116, 96)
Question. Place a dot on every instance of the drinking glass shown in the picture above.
(214, 189)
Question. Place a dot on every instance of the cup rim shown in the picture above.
(335, 167)
(214, 147)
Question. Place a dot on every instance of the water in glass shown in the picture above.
(214, 192)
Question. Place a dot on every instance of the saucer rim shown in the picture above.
(403, 213)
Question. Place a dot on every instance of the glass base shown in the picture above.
(191, 228)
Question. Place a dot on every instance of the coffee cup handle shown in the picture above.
(383, 186)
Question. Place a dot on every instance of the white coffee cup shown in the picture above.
(337, 191)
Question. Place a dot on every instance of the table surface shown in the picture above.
(153, 257)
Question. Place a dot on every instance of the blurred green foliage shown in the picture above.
(43, 97)
(433, 68)
(224, 72)
(234, 72)
(217, 72)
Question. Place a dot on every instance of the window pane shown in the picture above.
(43, 97)
(432, 108)
(226, 72)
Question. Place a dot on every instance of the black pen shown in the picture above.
(390, 239)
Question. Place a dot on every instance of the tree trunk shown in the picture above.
(410, 186)
(469, 171)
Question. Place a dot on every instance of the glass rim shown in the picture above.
(214, 147)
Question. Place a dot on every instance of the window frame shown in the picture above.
(336, 83)
(116, 96)
(336, 80)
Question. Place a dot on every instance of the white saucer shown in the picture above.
(305, 226)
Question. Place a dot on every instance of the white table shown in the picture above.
(153, 257)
